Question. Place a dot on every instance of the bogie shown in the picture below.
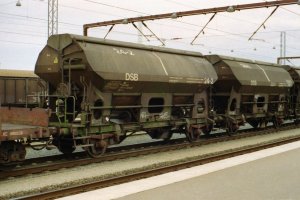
(12, 151)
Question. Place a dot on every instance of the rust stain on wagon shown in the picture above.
(25, 116)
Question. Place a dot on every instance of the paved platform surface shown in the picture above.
(271, 174)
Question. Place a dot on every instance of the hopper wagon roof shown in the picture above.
(115, 60)
(298, 72)
(255, 73)
(294, 72)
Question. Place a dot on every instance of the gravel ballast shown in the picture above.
(13, 187)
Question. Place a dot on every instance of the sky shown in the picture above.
(24, 29)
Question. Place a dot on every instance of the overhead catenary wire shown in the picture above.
(202, 30)
(79, 26)
(197, 25)
(145, 25)
(131, 10)
(225, 33)
(109, 5)
(8, 3)
(25, 43)
(222, 35)
(263, 24)
(138, 12)
(190, 13)
(290, 11)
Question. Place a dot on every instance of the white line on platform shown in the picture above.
(125, 189)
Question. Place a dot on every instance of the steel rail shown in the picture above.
(149, 173)
(131, 151)
(56, 162)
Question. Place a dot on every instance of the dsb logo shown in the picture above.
(131, 77)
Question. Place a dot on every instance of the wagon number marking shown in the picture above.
(131, 77)
(124, 52)
(208, 81)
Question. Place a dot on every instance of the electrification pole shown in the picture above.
(283, 45)
(52, 17)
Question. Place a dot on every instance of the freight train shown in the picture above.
(101, 91)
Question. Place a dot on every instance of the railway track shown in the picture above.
(56, 162)
(148, 173)
(52, 163)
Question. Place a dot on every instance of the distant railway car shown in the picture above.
(19, 125)
(294, 98)
(19, 87)
(252, 91)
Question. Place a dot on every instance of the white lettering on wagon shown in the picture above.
(123, 52)
(5, 134)
(16, 133)
(246, 66)
(131, 77)
(208, 80)
(144, 115)
(164, 116)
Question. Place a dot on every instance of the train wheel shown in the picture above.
(160, 133)
(169, 136)
(193, 134)
(66, 149)
(254, 123)
(276, 122)
(64, 143)
(207, 129)
(232, 128)
(12, 151)
(98, 147)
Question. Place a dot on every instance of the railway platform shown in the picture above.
(268, 174)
